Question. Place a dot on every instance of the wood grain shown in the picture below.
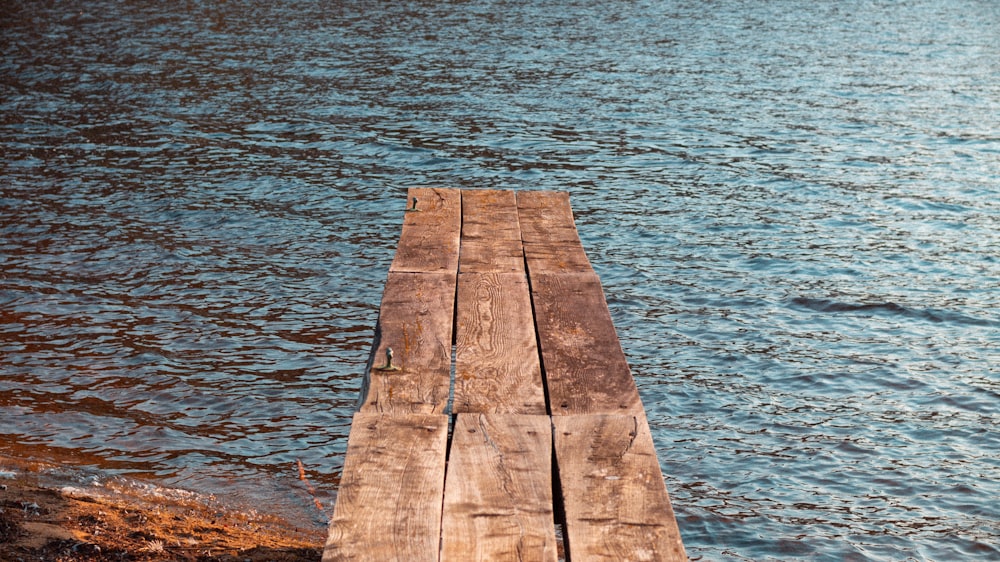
(430, 238)
(489, 215)
(496, 359)
(546, 217)
(556, 257)
(616, 503)
(498, 495)
(389, 504)
(491, 237)
(585, 368)
(415, 320)
(494, 256)
(523, 335)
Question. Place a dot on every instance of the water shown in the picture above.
(794, 207)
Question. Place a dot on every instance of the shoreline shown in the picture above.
(42, 521)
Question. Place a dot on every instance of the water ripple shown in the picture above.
(793, 209)
(890, 309)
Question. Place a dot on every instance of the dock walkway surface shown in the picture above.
(505, 414)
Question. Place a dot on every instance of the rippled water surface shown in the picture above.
(794, 207)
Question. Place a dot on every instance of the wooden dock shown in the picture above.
(507, 410)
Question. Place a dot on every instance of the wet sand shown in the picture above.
(41, 521)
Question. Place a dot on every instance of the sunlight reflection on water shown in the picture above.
(793, 208)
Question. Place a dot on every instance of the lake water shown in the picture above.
(794, 207)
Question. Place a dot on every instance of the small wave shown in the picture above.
(890, 309)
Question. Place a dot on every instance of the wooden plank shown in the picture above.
(584, 365)
(495, 256)
(491, 237)
(545, 217)
(496, 359)
(489, 215)
(616, 503)
(551, 242)
(415, 320)
(430, 238)
(557, 257)
(497, 502)
(389, 503)
(498, 495)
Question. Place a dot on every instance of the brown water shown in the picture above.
(793, 206)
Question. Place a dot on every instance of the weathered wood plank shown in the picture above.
(585, 367)
(556, 257)
(551, 241)
(491, 237)
(496, 256)
(415, 320)
(498, 495)
(616, 503)
(546, 217)
(389, 504)
(430, 238)
(496, 359)
(489, 215)
(498, 498)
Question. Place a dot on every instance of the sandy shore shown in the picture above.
(43, 522)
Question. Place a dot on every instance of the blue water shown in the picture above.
(794, 208)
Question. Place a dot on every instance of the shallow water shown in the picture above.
(794, 208)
